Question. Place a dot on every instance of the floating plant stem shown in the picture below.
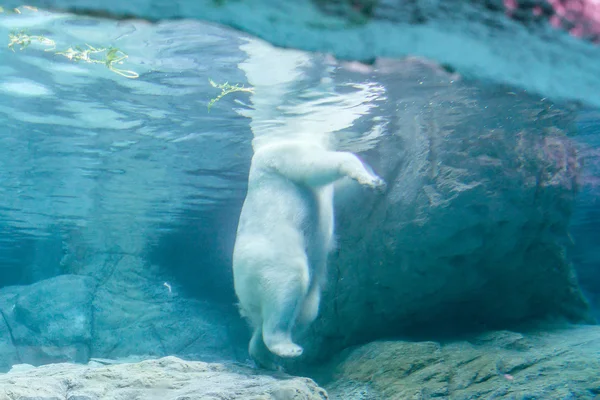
(109, 56)
(226, 88)
(9, 10)
(15, 10)
(23, 39)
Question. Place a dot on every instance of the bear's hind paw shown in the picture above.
(286, 350)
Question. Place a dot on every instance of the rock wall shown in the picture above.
(471, 233)
(585, 249)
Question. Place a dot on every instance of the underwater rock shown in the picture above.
(136, 313)
(118, 307)
(586, 255)
(544, 47)
(471, 233)
(58, 309)
(49, 321)
(8, 350)
(161, 379)
(585, 225)
(561, 364)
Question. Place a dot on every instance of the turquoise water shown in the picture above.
(76, 130)
(120, 197)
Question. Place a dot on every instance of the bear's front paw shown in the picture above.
(380, 185)
(368, 180)
(375, 182)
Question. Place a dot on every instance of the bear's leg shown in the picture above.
(281, 306)
(319, 168)
(310, 307)
(259, 352)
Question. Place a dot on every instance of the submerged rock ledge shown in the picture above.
(552, 364)
(162, 379)
(560, 364)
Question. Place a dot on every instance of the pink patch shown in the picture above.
(555, 21)
(511, 4)
(577, 31)
(582, 17)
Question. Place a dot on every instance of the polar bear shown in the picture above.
(284, 235)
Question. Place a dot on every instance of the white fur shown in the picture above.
(284, 235)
